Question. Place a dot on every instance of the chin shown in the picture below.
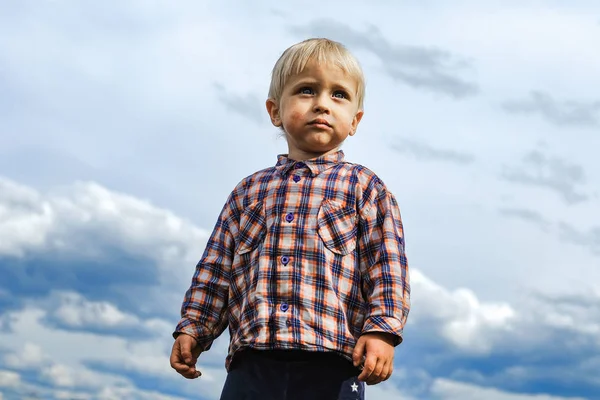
(323, 150)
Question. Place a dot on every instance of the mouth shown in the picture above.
(320, 122)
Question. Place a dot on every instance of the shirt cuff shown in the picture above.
(389, 325)
(204, 339)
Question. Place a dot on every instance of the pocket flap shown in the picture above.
(253, 226)
(337, 227)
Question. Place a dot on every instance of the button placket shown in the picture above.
(286, 259)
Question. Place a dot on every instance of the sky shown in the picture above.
(124, 125)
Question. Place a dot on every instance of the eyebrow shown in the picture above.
(305, 81)
(314, 82)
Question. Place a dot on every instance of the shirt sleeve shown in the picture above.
(383, 263)
(204, 308)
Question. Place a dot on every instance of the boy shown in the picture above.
(306, 263)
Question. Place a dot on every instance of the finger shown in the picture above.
(386, 373)
(370, 364)
(376, 375)
(193, 373)
(388, 370)
(184, 369)
(359, 351)
(188, 372)
(186, 353)
(176, 360)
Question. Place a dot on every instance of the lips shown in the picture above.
(320, 121)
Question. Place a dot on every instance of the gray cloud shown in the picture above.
(421, 68)
(425, 152)
(549, 172)
(567, 233)
(589, 239)
(572, 303)
(526, 215)
(278, 12)
(247, 106)
(561, 113)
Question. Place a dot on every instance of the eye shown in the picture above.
(340, 94)
(306, 90)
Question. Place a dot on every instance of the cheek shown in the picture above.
(345, 122)
(349, 119)
(294, 117)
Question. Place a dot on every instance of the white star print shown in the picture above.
(354, 387)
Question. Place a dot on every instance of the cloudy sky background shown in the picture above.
(125, 124)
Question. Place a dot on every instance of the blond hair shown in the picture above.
(323, 51)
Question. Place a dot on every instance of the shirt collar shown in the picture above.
(315, 165)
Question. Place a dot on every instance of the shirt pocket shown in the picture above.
(336, 226)
(253, 227)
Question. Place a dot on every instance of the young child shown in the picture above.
(306, 264)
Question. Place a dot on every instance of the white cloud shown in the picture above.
(119, 393)
(62, 376)
(33, 357)
(59, 357)
(76, 311)
(387, 392)
(9, 379)
(24, 218)
(126, 391)
(30, 355)
(70, 395)
(443, 389)
(45, 222)
(448, 389)
(465, 322)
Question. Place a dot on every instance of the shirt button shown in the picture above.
(284, 307)
(289, 217)
(299, 165)
(288, 322)
(285, 260)
(296, 178)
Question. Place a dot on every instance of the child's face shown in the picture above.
(318, 110)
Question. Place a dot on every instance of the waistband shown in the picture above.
(291, 355)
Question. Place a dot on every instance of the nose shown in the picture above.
(321, 105)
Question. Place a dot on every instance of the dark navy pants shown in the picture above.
(291, 375)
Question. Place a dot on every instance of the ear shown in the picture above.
(356, 121)
(273, 110)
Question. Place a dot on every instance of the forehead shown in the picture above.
(325, 72)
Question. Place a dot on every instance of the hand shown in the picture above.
(379, 362)
(184, 355)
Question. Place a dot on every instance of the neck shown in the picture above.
(300, 155)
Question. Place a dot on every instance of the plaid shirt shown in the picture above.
(305, 255)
